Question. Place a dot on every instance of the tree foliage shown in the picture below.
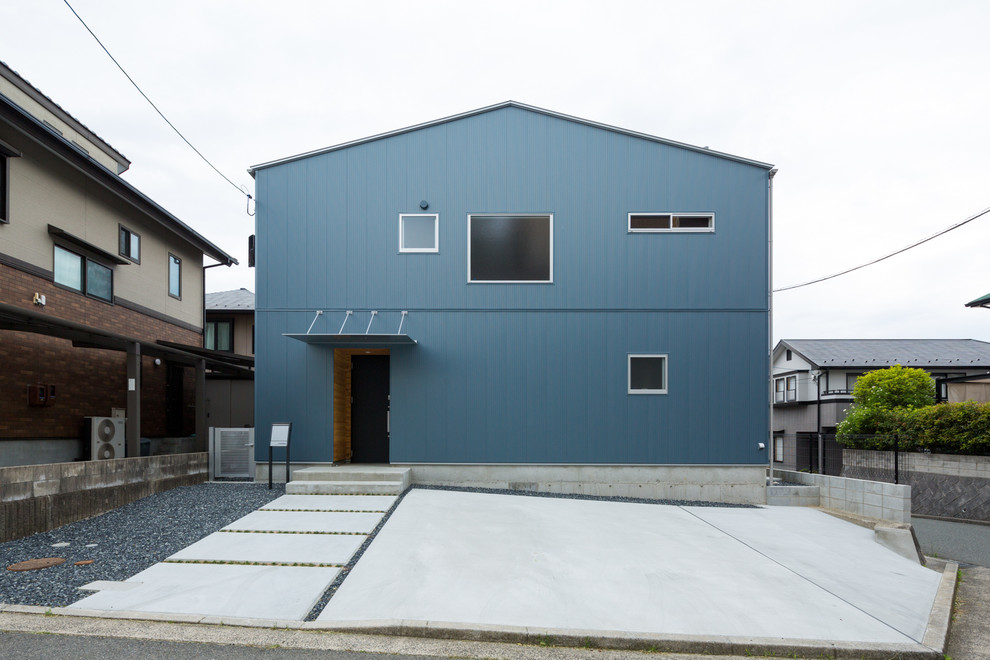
(893, 388)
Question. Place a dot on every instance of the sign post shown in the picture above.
(280, 438)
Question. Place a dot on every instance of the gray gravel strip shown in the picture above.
(125, 541)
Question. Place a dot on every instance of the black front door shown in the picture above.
(369, 409)
(174, 401)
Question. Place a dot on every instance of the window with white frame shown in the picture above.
(419, 232)
(647, 374)
(785, 389)
(672, 222)
(510, 248)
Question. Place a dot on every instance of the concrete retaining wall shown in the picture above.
(873, 499)
(733, 484)
(944, 485)
(36, 498)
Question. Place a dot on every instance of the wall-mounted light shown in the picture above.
(39, 299)
(424, 205)
(158, 362)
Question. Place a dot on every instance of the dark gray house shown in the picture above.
(513, 295)
(813, 379)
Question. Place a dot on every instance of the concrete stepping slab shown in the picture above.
(332, 503)
(259, 592)
(306, 521)
(478, 558)
(275, 548)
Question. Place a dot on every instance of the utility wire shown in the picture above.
(892, 254)
(172, 126)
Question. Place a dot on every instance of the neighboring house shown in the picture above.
(94, 275)
(510, 294)
(813, 379)
(230, 329)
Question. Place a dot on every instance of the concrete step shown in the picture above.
(313, 487)
(352, 473)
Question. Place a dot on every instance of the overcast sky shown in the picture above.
(877, 114)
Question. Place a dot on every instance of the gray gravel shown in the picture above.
(128, 540)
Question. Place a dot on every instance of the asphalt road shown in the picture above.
(968, 543)
(44, 646)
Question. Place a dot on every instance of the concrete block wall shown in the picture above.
(873, 499)
(943, 485)
(37, 498)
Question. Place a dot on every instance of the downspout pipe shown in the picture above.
(770, 445)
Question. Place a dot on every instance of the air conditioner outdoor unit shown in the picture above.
(106, 437)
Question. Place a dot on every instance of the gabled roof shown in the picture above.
(41, 134)
(521, 106)
(237, 300)
(879, 353)
(51, 106)
(980, 302)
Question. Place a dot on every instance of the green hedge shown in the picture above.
(945, 428)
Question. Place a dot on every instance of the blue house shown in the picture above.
(519, 298)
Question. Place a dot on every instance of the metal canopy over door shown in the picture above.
(369, 408)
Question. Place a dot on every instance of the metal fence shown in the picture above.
(820, 453)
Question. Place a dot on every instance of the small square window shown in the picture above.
(647, 374)
(672, 222)
(174, 276)
(419, 232)
(130, 245)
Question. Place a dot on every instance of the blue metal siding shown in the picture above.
(522, 372)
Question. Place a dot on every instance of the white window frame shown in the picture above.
(514, 215)
(629, 359)
(436, 233)
(779, 390)
(789, 390)
(710, 229)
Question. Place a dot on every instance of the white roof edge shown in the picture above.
(509, 104)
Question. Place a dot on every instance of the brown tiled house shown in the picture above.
(94, 275)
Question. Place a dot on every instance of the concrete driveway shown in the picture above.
(507, 560)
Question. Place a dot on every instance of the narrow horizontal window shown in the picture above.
(673, 222)
(510, 248)
(419, 232)
(647, 374)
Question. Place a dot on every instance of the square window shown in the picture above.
(174, 276)
(510, 248)
(647, 374)
(99, 281)
(671, 222)
(130, 245)
(419, 232)
(219, 336)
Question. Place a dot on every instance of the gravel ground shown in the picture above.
(124, 541)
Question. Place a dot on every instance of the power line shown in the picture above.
(876, 261)
(150, 102)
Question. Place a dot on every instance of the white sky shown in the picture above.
(877, 114)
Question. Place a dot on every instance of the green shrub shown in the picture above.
(894, 387)
(945, 428)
